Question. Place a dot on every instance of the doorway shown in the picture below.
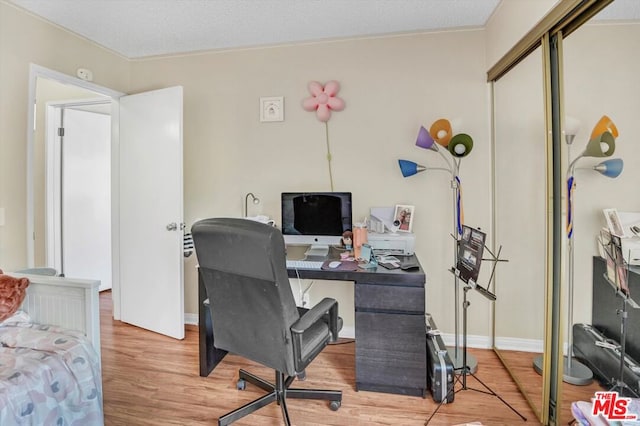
(78, 189)
(146, 161)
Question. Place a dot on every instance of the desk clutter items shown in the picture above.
(339, 265)
(440, 369)
(359, 238)
(389, 262)
(367, 260)
(410, 264)
(262, 219)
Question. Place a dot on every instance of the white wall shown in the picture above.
(601, 78)
(54, 48)
(390, 85)
(511, 20)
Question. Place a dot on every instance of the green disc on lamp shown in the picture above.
(460, 145)
(596, 146)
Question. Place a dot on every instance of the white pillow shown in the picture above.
(18, 316)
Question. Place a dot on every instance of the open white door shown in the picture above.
(151, 217)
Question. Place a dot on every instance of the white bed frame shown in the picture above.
(65, 302)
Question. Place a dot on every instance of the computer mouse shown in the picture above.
(334, 264)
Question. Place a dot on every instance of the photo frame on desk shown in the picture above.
(403, 217)
(367, 260)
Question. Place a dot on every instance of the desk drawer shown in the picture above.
(391, 353)
(389, 298)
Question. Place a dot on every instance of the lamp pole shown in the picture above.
(574, 372)
(454, 353)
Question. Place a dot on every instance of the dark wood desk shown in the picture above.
(389, 328)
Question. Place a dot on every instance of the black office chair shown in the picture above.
(242, 264)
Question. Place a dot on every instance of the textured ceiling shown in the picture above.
(139, 28)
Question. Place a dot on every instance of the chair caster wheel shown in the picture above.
(335, 405)
(241, 384)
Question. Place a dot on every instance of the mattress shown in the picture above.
(48, 375)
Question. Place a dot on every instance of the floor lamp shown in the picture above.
(457, 147)
(601, 144)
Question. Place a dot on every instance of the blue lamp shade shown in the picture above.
(610, 168)
(425, 140)
(409, 168)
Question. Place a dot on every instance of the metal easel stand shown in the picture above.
(619, 384)
(464, 371)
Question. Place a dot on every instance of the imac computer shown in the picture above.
(317, 219)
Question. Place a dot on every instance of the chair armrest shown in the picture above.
(316, 313)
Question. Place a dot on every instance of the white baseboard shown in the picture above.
(505, 343)
(191, 319)
(473, 341)
(348, 332)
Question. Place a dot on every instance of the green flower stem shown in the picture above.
(326, 127)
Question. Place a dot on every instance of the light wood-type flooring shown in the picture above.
(150, 379)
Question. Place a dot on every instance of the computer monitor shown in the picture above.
(317, 219)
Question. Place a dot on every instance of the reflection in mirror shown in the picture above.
(71, 180)
(601, 69)
(520, 221)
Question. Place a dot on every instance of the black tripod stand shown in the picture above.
(464, 371)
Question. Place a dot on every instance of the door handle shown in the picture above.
(174, 226)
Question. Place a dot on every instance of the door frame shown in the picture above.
(36, 71)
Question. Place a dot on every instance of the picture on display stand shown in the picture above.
(613, 222)
(470, 250)
(616, 265)
(403, 217)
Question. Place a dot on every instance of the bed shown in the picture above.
(50, 366)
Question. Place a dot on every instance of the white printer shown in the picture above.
(630, 241)
(388, 243)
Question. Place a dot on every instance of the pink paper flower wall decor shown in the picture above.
(323, 99)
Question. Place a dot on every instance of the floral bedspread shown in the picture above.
(48, 376)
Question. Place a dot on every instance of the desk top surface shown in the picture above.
(380, 275)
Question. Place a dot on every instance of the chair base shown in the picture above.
(278, 393)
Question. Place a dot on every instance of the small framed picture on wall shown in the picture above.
(403, 217)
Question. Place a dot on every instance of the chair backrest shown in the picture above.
(243, 267)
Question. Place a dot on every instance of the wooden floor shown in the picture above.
(150, 379)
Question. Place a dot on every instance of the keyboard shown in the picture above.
(304, 264)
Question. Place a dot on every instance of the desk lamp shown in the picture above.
(601, 144)
(254, 199)
(440, 136)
